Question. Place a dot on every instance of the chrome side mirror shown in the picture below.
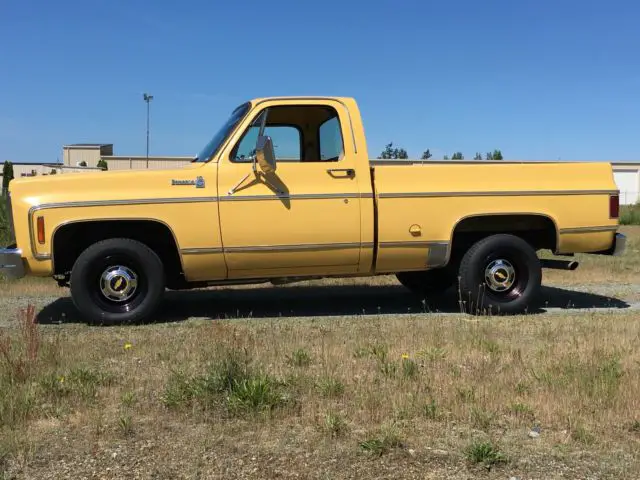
(265, 156)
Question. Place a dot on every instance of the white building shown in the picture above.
(627, 177)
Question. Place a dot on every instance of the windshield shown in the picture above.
(214, 144)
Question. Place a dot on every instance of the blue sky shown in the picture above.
(540, 80)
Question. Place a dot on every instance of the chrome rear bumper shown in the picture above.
(11, 264)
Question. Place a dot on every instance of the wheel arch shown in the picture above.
(470, 228)
(154, 233)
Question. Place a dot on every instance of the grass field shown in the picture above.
(326, 396)
(406, 397)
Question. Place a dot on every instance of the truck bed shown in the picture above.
(435, 196)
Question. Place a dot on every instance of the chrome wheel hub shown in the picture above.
(118, 283)
(500, 275)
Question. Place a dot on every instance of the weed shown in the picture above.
(334, 424)
(466, 395)
(409, 368)
(522, 388)
(522, 410)
(481, 418)
(256, 393)
(125, 424)
(299, 358)
(484, 452)
(19, 357)
(387, 439)
(361, 352)
(635, 426)
(430, 410)
(630, 214)
(330, 387)
(581, 435)
(85, 381)
(388, 369)
(229, 383)
(128, 399)
(433, 354)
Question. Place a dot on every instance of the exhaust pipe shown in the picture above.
(559, 264)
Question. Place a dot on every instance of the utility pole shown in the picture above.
(147, 98)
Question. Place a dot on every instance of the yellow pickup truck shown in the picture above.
(285, 191)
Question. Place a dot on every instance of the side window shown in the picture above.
(331, 147)
(287, 143)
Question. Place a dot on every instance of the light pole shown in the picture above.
(147, 98)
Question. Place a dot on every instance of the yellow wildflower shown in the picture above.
(61, 379)
(405, 356)
(127, 346)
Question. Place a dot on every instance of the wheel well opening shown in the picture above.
(71, 240)
(538, 230)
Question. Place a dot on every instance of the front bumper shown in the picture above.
(11, 263)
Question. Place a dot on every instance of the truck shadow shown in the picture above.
(311, 301)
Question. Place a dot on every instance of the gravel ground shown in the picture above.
(320, 301)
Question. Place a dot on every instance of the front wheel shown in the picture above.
(500, 274)
(117, 281)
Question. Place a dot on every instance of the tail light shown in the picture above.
(614, 206)
(40, 226)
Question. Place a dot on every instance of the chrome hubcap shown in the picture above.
(500, 275)
(118, 283)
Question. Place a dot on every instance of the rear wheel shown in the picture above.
(500, 274)
(117, 281)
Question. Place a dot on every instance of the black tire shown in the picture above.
(486, 284)
(129, 302)
(426, 282)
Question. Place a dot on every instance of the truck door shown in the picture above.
(305, 217)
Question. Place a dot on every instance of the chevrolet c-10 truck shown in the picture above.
(286, 191)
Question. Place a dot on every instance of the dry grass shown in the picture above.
(410, 397)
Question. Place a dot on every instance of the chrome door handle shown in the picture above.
(348, 172)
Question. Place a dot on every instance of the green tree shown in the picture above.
(446, 157)
(478, 156)
(457, 156)
(393, 153)
(7, 176)
(426, 155)
(497, 155)
(102, 163)
(489, 156)
(53, 172)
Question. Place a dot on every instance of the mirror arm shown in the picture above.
(235, 187)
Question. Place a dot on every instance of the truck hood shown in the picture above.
(110, 185)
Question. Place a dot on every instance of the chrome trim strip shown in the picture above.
(296, 247)
(98, 203)
(604, 228)
(200, 251)
(295, 196)
(496, 193)
(410, 244)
